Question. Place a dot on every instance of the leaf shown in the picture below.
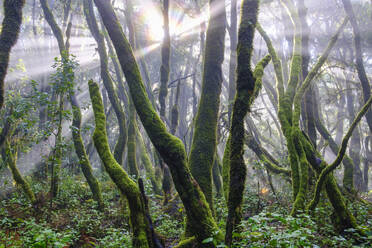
(207, 240)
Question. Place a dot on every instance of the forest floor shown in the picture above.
(73, 221)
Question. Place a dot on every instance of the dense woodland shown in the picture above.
(185, 123)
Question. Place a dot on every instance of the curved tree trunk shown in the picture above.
(11, 160)
(359, 59)
(248, 85)
(76, 121)
(126, 186)
(170, 148)
(107, 81)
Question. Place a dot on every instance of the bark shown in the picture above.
(340, 154)
(217, 180)
(57, 159)
(298, 144)
(232, 63)
(248, 85)
(348, 181)
(126, 186)
(86, 167)
(296, 132)
(132, 161)
(76, 121)
(268, 161)
(107, 81)
(11, 160)
(203, 147)
(367, 160)
(359, 58)
(170, 148)
(146, 161)
(165, 57)
(308, 112)
(355, 145)
(9, 35)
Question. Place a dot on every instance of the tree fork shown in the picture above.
(170, 148)
(248, 85)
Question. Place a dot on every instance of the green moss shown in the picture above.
(226, 169)
(299, 203)
(314, 71)
(246, 91)
(169, 147)
(126, 186)
(11, 161)
(187, 243)
(275, 59)
(107, 81)
(340, 154)
(132, 161)
(267, 161)
(9, 35)
(348, 179)
(80, 150)
(217, 180)
(146, 161)
(203, 147)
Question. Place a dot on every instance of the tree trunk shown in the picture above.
(9, 35)
(170, 148)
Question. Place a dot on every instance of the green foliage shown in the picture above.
(72, 222)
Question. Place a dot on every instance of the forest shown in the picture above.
(185, 123)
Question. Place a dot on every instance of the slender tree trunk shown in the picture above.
(132, 161)
(359, 58)
(107, 81)
(355, 145)
(138, 219)
(11, 160)
(232, 63)
(248, 85)
(76, 122)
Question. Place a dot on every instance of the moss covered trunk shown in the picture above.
(246, 90)
(146, 161)
(80, 150)
(126, 186)
(9, 35)
(170, 148)
(107, 80)
(204, 141)
(11, 160)
(76, 121)
(132, 160)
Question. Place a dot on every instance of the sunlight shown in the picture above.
(180, 24)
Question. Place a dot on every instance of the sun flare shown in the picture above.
(180, 24)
